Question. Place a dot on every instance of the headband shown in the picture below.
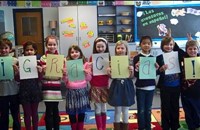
(101, 38)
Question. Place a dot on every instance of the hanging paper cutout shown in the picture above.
(72, 25)
(68, 20)
(45, 3)
(83, 26)
(90, 34)
(68, 33)
(86, 44)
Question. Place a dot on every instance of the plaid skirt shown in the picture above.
(99, 94)
(77, 100)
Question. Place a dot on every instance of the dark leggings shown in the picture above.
(73, 119)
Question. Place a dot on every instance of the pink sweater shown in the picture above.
(81, 83)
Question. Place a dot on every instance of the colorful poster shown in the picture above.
(119, 67)
(36, 3)
(28, 67)
(171, 59)
(55, 65)
(20, 3)
(147, 69)
(6, 68)
(192, 68)
(100, 63)
(75, 70)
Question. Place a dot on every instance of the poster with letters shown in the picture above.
(119, 67)
(6, 68)
(28, 67)
(147, 69)
(171, 59)
(100, 63)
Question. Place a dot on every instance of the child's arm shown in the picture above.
(131, 71)
(88, 71)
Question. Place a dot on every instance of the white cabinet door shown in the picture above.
(68, 29)
(87, 18)
(77, 25)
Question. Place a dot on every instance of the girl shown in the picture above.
(99, 86)
(190, 89)
(169, 89)
(77, 96)
(49, 85)
(144, 87)
(9, 90)
(121, 92)
(30, 92)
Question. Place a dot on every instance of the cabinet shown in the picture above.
(77, 25)
(116, 22)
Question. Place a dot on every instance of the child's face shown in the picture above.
(100, 47)
(146, 46)
(29, 51)
(5, 50)
(168, 47)
(121, 49)
(192, 51)
(52, 45)
(75, 54)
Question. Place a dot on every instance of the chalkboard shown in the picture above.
(154, 21)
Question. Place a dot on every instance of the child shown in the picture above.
(30, 92)
(99, 86)
(77, 96)
(190, 91)
(169, 89)
(49, 85)
(121, 91)
(144, 87)
(9, 92)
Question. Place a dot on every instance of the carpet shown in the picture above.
(90, 123)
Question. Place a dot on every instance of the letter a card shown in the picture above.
(147, 69)
(100, 63)
(55, 65)
(171, 59)
(192, 68)
(28, 67)
(75, 70)
(6, 68)
(119, 67)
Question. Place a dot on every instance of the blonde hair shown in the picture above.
(121, 42)
(166, 41)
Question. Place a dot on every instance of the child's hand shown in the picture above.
(189, 36)
(87, 71)
(64, 71)
(163, 68)
(137, 66)
(130, 68)
(108, 71)
(16, 69)
(44, 67)
(169, 32)
(157, 66)
(39, 68)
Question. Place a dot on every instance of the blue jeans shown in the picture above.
(144, 102)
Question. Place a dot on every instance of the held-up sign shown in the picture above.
(171, 59)
(6, 68)
(75, 70)
(54, 65)
(119, 67)
(147, 69)
(27, 67)
(192, 68)
(100, 63)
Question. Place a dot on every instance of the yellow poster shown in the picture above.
(55, 65)
(119, 67)
(192, 68)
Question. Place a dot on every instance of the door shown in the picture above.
(28, 25)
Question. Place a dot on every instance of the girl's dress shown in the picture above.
(121, 92)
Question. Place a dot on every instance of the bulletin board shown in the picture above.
(155, 20)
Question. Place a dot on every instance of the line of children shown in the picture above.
(99, 86)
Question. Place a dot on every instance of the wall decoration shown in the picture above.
(86, 44)
(90, 34)
(68, 33)
(20, 3)
(55, 3)
(36, 3)
(12, 3)
(67, 20)
(45, 3)
(83, 26)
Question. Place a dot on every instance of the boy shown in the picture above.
(8, 92)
